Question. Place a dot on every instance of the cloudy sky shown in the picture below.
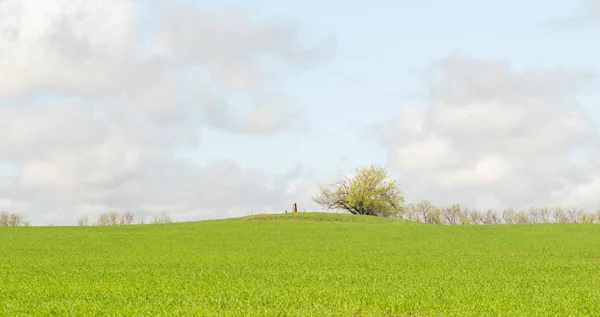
(211, 109)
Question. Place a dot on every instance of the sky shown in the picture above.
(213, 109)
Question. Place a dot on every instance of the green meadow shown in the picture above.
(301, 264)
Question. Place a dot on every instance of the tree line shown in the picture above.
(371, 191)
(125, 218)
(105, 219)
(424, 211)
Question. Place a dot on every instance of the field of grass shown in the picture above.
(304, 264)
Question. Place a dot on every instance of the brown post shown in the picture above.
(294, 208)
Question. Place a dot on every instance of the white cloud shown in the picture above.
(490, 134)
(428, 152)
(587, 16)
(592, 8)
(190, 62)
(65, 45)
(95, 103)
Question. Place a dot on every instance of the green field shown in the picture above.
(304, 264)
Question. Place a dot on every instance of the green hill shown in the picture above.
(301, 264)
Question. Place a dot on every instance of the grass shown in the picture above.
(304, 264)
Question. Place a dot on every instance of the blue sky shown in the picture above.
(381, 50)
(482, 103)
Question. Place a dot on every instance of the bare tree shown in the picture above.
(521, 217)
(574, 214)
(474, 217)
(465, 216)
(83, 221)
(451, 215)
(12, 220)
(424, 211)
(493, 217)
(435, 216)
(597, 216)
(114, 218)
(509, 215)
(103, 220)
(162, 218)
(108, 219)
(560, 215)
(127, 218)
(533, 214)
(545, 214)
(483, 218)
(409, 213)
(490, 217)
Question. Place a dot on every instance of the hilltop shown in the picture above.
(300, 264)
(322, 216)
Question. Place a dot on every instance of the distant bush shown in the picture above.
(12, 220)
(425, 211)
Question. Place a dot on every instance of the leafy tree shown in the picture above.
(369, 192)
